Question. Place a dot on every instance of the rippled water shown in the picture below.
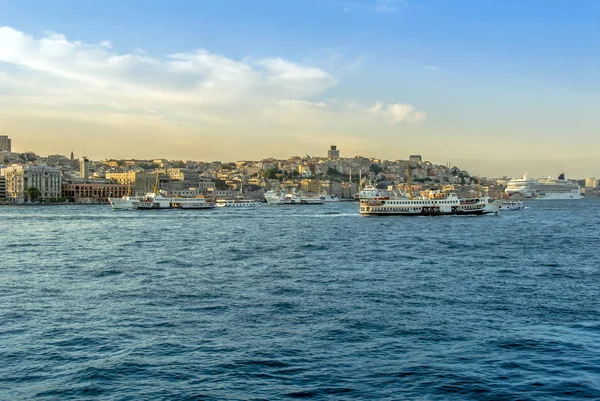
(283, 302)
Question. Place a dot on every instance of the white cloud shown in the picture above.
(198, 90)
(431, 67)
(198, 76)
(397, 112)
(388, 6)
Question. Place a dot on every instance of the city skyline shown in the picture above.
(499, 89)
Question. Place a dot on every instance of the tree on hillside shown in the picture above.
(271, 173)
(149, 166)
(375, 168)
(33, 194)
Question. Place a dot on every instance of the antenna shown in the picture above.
(410, 193)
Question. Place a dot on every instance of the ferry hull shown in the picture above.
(433, 208)
(428, 213)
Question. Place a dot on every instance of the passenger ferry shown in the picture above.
(158, 200)
(437, 203)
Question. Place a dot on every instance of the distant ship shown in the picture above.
(330, 198)
(158, 200)
(237, 203)
(125, 202)
(544, 188)
(512, 205)
(292, 198)
(370, 192)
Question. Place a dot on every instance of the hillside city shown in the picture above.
(28, 177)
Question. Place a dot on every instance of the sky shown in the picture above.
(496, 87)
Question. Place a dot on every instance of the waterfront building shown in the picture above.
(310, 185)
(591, 182)
(19, 179)
(331, 188)
(2, 187)
(5, 143)
(204, 183)
(273, 185)
(84, 168)
(93, 193)
(189, 177)
(349, 189)
(140, 182)
(333, 152)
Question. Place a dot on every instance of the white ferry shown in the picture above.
(436, 203)
(511, 205)
(543, 189)
(330, 198)
(292, 198)
(370, 192)
(126, 202)
(238, 203)
(154, 200)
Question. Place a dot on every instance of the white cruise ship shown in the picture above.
(544, 188)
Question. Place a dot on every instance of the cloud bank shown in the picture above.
(69, 79)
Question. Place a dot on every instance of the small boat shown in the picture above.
(292, 198)
(511, 205)
(238, 203)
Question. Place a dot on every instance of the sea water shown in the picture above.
(310, 302)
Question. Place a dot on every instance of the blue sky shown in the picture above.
(500, 86)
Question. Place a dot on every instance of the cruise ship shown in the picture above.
(544, 188)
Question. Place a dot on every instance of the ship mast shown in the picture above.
(156, 184)
(410, 193)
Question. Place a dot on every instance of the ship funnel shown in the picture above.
(561, 176)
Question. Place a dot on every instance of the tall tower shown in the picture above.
(72, 156)
(5, 143)
(84, 168)
(333, 152)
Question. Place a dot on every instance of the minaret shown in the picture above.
(72, 156)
